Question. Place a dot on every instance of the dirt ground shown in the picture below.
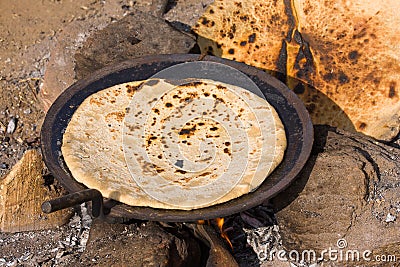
(28, 30)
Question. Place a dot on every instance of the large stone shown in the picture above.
(59, 72)
(153, 7)
(137, 34)
(186, 12)
(22, 193)
(146, 244)
(85, 46)
(350, 190)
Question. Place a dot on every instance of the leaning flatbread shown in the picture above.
(173, 145)
(345, 53)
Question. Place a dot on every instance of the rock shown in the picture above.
(59, 73)
(343, 196)
(108, 39)
(146, 244)
(154, 7)
(186, 12)
(137, 34)
(22, 192)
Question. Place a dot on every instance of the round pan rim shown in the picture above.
(297, 122)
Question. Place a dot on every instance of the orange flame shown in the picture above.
(220, 224)
(201, 222)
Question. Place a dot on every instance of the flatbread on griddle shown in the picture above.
(346, 53)
(213, 140)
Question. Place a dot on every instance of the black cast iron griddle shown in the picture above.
(294, 116)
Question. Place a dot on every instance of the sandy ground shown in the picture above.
(28, 30)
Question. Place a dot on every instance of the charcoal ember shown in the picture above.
(254, 222)
(253, 234)
(265, 241)
(259, 216)
(241, 250)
